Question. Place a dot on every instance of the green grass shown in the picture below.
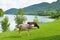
(47, 31)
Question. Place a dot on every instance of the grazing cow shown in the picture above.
(27, 26)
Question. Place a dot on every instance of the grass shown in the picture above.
(47, 31)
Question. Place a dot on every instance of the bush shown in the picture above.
(5, 24)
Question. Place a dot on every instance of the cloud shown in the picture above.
(7, 4)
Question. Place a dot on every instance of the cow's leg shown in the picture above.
(28, 32)
(19, 32)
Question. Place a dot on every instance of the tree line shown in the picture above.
(53, 13)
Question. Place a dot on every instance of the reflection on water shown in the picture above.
(29, 18)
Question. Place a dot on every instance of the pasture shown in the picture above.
(47, 31)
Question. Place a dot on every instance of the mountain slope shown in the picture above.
(37, 7)
(11, 11)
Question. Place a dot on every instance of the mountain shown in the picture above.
(56, 5)
(11, 11)
(37, 7)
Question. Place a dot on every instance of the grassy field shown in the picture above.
(47, 31)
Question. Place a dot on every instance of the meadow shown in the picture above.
(47, 31)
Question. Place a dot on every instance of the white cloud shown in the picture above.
(7, 4)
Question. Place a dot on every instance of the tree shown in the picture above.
(55, 14)
(1, 12)
(5, 24)
(20, 18)
(36, 19)
(20, 12)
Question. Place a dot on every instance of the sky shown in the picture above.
(7, 4)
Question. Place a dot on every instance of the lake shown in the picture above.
(41, 19)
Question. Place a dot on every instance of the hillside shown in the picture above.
(48, 31)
